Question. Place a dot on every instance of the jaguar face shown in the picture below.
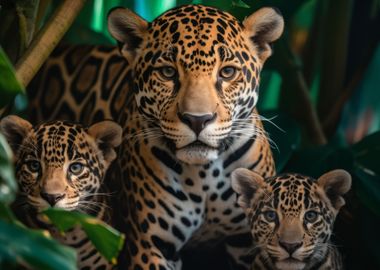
(291, 216)
(196, 72)
(61, 164)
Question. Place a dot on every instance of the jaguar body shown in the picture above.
(63, 165)
(184, 88)
(291, 218)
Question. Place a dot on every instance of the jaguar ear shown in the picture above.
(128, 29)
(335, 184)
(246, 183)
(108, 136)
(15, 129)
(264, 27)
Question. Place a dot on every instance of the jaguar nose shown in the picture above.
(290, 247)
(52, 199)
(196, 122)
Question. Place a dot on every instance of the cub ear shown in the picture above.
(335, 184)
(246, 183)
(128, 29)
(107, 136)
(264, 27)
(15, 129)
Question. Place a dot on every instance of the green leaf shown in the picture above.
(6, 214)
(367, 153)
(33, 249)
(368, 189)
(285, 135)
(240, 3)
(107, 240)
(9, 85)
(8, 184)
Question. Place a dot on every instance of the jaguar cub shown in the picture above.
(291, 218)
(62, 164)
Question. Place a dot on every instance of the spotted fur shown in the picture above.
(62, 164)
(184, 89)
(291, 218)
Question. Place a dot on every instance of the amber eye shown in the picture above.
(270, 215)
(168, 72)
(311, 216)
(227, 72)
(33, 165)
(76, 168)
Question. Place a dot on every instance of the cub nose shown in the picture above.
(52, 199)
(197, 122)
(290, 247)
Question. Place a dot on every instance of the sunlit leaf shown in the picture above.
(33, 249)
(9, 85)
(368, 189)
(8, 186)
(240, 3)
(107, 240)
(367, 153)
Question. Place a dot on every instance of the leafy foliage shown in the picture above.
(107, 240)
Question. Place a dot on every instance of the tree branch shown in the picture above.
(47, 39)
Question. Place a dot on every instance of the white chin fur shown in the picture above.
(198, 155)
(290, 265)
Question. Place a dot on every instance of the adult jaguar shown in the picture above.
(62, 164)
(291, 218)
(185, 89)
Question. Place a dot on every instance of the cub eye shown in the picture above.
(311, 216)
(227, 72)
(168, 72)
(270, 215)
(76, 168)
(33, 165)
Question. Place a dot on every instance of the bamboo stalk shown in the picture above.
(47, 39)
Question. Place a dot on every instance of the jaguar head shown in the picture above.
(291, 216)
(60, 164)
(196, 73)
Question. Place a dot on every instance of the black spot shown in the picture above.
(215, 173)
(163, 224)
(177, 233)
(173, 27)
(195, 198)
(167, 249)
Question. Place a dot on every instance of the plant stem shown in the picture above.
(47, 39)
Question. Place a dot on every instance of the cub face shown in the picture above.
(196, 73)
(291, 216)
(58, 163)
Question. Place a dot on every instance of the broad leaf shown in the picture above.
(107, 240)
(33, 249)
(8, 186)
(9, 85)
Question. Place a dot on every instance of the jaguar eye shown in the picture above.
(168, 72)
(311, 216)
(76, 168)
(33, 165)
(227, 72)
(270, 215)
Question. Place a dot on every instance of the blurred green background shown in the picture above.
(321, 87)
